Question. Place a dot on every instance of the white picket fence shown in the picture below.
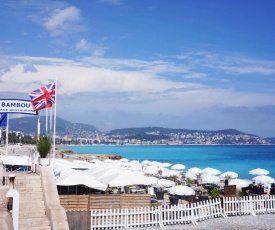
(180, 214)
(159, 216)
(249, 205)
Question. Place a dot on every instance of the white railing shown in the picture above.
(180, 214)
(249, 205)
(160, 216)
(125, 218)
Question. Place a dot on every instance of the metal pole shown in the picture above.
(7, 135)
(54, 127)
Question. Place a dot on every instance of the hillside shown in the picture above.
(141, 135)
(29, 125)
(165, 131)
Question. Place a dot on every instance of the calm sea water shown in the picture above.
(240, 159)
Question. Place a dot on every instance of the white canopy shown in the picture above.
(16, 160)
(240, 183)
(181, 190)
(80, 178)
(263, 179)
(229, 174)
(166, 164)
(125, 178)
(259, 171)
(170, 173)
(194, 170)
(178, 167)
(210, 179)
(211, 171)
(164, 183)
(190, 175)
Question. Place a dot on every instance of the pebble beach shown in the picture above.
(259, 222)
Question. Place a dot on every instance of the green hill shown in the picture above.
(63, 127)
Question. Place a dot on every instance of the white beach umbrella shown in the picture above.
(178, 167)
(164, 183)
(181, 190)
(211, 171)
(124, 160)
(194, 170)
(259, 171)
(151, 180)
(231, 175)
(190, 175)
(240, 183)
(170, 173)
(166, 164)
(124, 178)
(146, 162)
(134, 162)
(210, 179)
(80, 178)
(263, 179)
(150, 171)
(156, 163)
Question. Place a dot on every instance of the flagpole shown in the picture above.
(54, 126)
(51, 121)
(7, 135)
(46, 122)
(38, 126)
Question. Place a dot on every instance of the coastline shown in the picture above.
(90, 156)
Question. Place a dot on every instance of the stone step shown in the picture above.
(33, 222)
(29, 190)
(28, 185)
(27, 197)
(32, 213)
(37, 228)
(25, 206)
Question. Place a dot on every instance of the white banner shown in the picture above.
(16, 106)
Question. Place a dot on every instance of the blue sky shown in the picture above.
(135, 63)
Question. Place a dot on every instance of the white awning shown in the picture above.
(16, 160)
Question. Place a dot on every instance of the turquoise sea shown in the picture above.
(240, 159)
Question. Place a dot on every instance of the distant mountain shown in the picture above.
(159, 135)
(271, 140)
(165, 131)
(63, 127)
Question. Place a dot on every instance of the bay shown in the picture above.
(240, 159)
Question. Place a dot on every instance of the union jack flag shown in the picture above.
(44, 97)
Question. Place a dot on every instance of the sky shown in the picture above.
(192, 64)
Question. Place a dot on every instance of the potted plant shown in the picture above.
(215, 193)
(44, 148)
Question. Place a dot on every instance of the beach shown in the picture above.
(259, 222)
(263, 221)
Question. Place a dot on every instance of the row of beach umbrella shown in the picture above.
(113, 173)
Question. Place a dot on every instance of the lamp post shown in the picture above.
(12, 179)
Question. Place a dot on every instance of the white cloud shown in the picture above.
(113, 91)
(226, 64)
(84, 46)
(63, 21)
